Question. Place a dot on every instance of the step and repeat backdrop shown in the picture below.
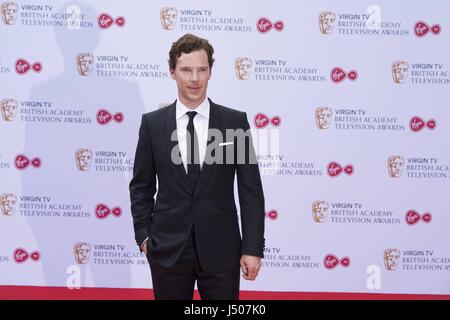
(352, 98)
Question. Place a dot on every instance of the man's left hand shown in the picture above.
(250, 266)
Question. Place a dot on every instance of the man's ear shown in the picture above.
(172, 74)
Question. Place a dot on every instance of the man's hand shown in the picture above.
(144, 247)
(250, 266)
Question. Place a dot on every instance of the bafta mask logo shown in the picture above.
(326, 22)
(168, 18)
(9, 12)
(82, 251)
(9, 109)
(8, 203)
(391, 258)
(85, 63)
(243, 67)
(83, 159)
(400, 71)
(323, 117)
(395, 166)
(320, 211)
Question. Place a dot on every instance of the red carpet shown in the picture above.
(61, 293)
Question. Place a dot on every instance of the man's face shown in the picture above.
(323, 117)
(327, 22)
(320, 211)
(396, 164)
(9, 11)
(400, 72)
(192, 74)
(8, 204)
(168, 18)
(82, 253)
(243, 68)
(85, 62)
(9, 108)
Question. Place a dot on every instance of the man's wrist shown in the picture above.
(143, 244)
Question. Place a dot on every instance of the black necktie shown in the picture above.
(193, 158)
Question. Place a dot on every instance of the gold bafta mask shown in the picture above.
(323, 117)
(83, 159)
(168, 18)
(9, 12)
(243, 68)
(9, 109)
(400, 71)
(82, 251)
(395, 166)
(391, 258)
(326, 22)
(85, 63)
(320, 211)
(8, 204)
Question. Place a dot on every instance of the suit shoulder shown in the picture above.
(155, 115)
(230, 112)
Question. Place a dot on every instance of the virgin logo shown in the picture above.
(334, 169)
(105, 21)
(413, 217)
(338, 74)
(22, 162)
(261, 121)
(102, 211)
(21, 255)
(264, 25)
(417, 124)
(331, 261)
(104, 117)
(23, 66)
(421, 29)
(272, 214)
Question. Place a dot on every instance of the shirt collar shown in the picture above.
(202, 109)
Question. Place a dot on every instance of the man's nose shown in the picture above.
(194, 75)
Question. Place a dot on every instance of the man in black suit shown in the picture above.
(191, 233)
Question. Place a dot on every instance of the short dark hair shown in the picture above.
(187, 44)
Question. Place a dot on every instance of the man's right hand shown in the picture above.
(144, 247)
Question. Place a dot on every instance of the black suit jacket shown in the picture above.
(210, 208)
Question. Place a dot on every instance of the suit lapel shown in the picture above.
(214, 123)
(178, 169)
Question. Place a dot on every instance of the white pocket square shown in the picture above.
(225, 143)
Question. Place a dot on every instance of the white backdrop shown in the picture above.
(378, 75)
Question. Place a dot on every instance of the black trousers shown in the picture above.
(177, 282)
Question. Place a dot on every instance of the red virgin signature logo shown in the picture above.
(105, 21)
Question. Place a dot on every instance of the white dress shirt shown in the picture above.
(201, 125)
